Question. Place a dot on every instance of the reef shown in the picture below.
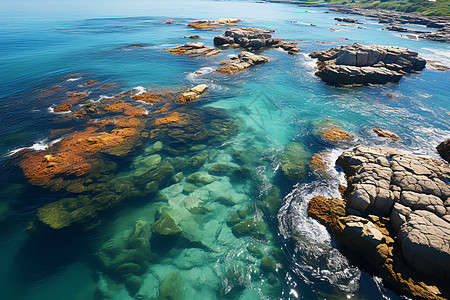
(361, 64)
(395, 214)
(83, 162)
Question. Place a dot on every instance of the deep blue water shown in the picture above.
(275, 103)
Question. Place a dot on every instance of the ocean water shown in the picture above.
(272, 106)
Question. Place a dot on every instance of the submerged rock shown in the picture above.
(252, 39)
(194, 49)
(361, 64)
(165, 225)
(171, 287)
(396, 216)
(294, 160)
(206, 24)
(241, 62)
(63, 107)
(382, 133)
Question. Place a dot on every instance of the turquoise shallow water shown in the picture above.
(273, 104)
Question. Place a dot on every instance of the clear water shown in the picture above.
(276, 103)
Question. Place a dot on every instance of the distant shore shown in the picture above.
(417, 7)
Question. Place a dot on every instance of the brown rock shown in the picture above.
(243, 61)
(194, 49)
(444, 150)
(382, 133)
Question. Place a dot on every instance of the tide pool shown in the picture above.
(238, 229)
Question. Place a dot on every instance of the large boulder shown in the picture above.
(361, 64)
(253, 38)
(241, 62)
(425, 242)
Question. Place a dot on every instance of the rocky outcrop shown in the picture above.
(241, 62)
(252, 39)
(444, 150)
(361, 64)
(394, 18)
(192, 93)
(397, 216)
(205, 24)
(403, 29)
(442, 35)
(347, 20)
(194, 49)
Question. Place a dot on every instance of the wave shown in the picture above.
(314, 257)
(139, 90)
(38, 146)
(439, 55)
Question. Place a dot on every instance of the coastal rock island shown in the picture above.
(396, 214)
(364, 64)
(252, 39)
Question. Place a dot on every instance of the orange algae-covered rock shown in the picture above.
(173, 118)
(76, 154)
(335, 134)
(153, 98)
(128, 122)
(121, 106)
(63, 107)
(162, 109)
(77, 95)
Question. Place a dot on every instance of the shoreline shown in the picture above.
(391, 18)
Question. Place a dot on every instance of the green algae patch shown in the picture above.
(250, 227)
(272, 202)
(268, 264)
(294, 160)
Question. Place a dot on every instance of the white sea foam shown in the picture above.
(74, 79)
(439, 55)
(38, 146)
(139, 90)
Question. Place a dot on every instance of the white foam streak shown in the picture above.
(74, 79)
(38, 146)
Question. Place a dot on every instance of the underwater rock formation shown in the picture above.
(126, 257)
(396, 215)
(241, 62)
(361, 64)
(294, 160)
(252, 39)
(205, 24)
(194, 49)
